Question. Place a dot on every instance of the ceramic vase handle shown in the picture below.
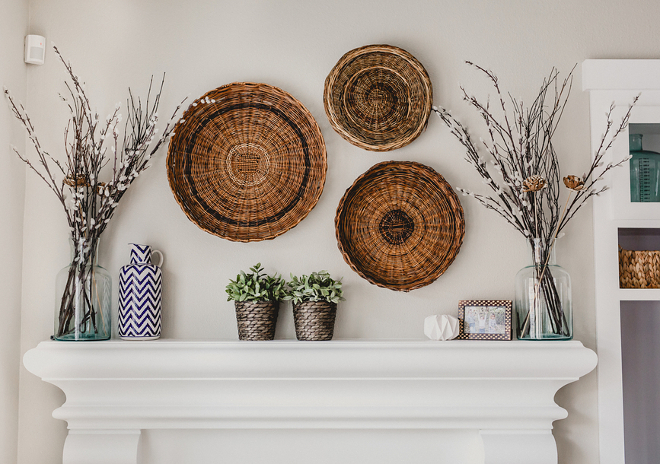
(162, 258)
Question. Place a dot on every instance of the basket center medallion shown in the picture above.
(396, 227)
(248, 164)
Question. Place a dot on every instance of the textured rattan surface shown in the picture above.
(314, 320)
(400, 225)
(247, 162)
(256, 319)
(639, 269)
(378, 97)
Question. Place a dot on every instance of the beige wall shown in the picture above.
(13, 26)
(293, 44)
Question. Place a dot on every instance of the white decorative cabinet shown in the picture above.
(628, 320)
(502, 393)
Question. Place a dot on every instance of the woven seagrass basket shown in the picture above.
(256, 319)
(378, 97)
(247, 162)
(639, 269)
(314, 320)
(400, 225)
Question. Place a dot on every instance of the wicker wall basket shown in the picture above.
(400, 225)
(247, 162)
(378, 97)
(639, 269)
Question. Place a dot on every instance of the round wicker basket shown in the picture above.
(400, 225)
(378, 97)
(247, 162)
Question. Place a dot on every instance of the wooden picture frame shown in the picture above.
(484, 320)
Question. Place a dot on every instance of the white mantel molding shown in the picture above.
(116, 389)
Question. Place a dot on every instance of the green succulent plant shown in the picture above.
(318, 286)
(256, 286)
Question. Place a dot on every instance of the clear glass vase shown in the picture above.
(543, 304)
(83, 299)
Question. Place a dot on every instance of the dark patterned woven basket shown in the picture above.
(247, 162)
(256, 319)
(400, 225)
(314, 320)
(378, 97)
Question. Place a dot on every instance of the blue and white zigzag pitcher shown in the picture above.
(140, 295)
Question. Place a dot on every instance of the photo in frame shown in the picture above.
(484, 320)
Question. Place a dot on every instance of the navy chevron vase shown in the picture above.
(140, 296)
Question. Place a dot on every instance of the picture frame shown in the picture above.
(484, 320)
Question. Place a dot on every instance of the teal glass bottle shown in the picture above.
(644, 172)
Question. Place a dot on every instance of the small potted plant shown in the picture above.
(315, 299)
(257, 298)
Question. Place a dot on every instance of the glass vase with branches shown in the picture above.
(518, 163)
(94, 149)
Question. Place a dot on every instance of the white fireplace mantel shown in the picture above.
(116, 389)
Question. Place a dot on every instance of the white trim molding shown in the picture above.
(614, 84)
(505, 390)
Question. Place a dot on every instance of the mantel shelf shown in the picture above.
(116, 389)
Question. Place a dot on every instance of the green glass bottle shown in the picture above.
(644, 172)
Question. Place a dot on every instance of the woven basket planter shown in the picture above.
(639, 269)
(378, 97)
(247, 162)
(315, 320)
(400, 225)
(256, 319)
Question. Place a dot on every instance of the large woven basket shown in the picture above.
(247, 162)
(639, 269)
(400, 225)
(378, 97)
(314, 320)
(256, 319)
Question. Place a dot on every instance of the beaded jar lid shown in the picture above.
(400, 225)
(247, 162)
(378, 97)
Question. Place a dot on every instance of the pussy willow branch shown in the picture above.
(86, 143)
(520, 146)
(517, 150)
